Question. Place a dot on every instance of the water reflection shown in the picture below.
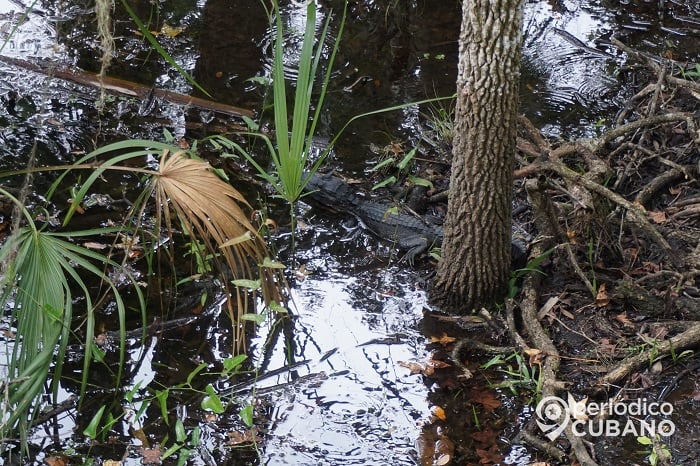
(367, 409)
(569, 78)
(26, 32)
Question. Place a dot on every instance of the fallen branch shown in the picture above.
(123, 87)
(686, 340)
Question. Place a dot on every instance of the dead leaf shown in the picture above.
(111, 463)
(171, 31)
(657, 216)
(101, 339)
(695, 395)
(238, 438)
(151, 455)
(140, 435)
(571, 235)
(78, 208)
(536, 356)
(414, 367)
(272, 225)
(437, 364)
(623, 319)
(486, 436)
(439, 413)
(301, 273)
(396, 148)
(443, 460)
(485, 398)
(490, 456)
(640, 206)
(606, 346)
(444, 340)
(425, 445)
(602, 299)
(659, 332)
(60, 460)
(651, 266)
(444, 450)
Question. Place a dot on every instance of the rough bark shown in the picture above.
(475, 263)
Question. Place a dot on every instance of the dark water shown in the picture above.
(357, 314)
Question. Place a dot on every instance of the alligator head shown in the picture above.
(330, 191)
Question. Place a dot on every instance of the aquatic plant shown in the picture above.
(39, 276)
(44, 268)
(208, 209)
(292, 166)
(294, 144)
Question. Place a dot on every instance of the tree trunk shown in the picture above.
(475, 264)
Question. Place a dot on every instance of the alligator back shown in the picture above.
(408, 232)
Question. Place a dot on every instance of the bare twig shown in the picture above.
(623, 130)
(578, 270)
(636, 214)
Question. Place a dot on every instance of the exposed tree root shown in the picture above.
(688, 339)
(550, 449)
(646, 159)
(529, 307)
(620, 214)
(635, 214)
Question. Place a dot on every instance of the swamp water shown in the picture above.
(330, 388)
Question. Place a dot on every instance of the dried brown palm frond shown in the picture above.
(209, 209)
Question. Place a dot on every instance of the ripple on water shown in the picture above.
(294, 19)
(367, 409)
(565, 72)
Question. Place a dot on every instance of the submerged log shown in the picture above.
(123, 87)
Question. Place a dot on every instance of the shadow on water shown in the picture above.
(330, 389)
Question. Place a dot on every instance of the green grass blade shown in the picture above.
(163, 53)
(329, 69)
(279, 88)
(302, 97)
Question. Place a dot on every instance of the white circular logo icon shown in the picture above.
(552, 416)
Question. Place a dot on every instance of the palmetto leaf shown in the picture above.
(38, 279)
(210, 210)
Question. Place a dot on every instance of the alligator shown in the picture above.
(410, 233)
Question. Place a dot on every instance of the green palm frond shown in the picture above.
(41, 270)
